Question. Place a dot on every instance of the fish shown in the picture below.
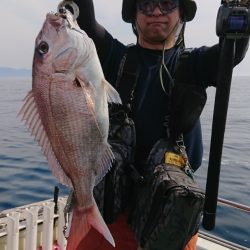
(66, 111)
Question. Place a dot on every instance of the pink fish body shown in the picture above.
(67, 113)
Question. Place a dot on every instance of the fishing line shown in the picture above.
(178, 27)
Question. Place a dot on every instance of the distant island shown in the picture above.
(12, 72)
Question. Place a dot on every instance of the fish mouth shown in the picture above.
(55, 19)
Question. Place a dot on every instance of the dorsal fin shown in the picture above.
(30, 115)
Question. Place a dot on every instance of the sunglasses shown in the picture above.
(147, 7)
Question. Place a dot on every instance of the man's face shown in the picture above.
(157, 21)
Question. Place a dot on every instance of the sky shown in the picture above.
(21, 20)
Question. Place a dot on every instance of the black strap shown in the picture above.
(128, 75)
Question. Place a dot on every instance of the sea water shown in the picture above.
(26, 178)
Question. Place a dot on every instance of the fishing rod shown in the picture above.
(233, 22)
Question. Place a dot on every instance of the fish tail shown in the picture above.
(81, 223)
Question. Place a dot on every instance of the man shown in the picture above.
(159, 27)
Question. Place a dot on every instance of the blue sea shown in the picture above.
(25, 176)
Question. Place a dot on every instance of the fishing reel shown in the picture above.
(233, 19)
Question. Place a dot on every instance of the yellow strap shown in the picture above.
(175, 159)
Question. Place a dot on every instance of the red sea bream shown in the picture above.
(67, 113)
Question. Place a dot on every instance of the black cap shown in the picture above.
(129, 9)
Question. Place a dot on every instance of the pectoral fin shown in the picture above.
(112, 94)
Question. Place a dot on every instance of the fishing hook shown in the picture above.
(61, 7)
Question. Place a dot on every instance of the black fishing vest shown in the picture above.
(186, 97)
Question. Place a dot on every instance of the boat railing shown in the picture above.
(33, 227)
(38, 227)
(234, 205)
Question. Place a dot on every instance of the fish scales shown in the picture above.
(79, 137)
(67, 113)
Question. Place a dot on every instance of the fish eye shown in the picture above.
(43, 48)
